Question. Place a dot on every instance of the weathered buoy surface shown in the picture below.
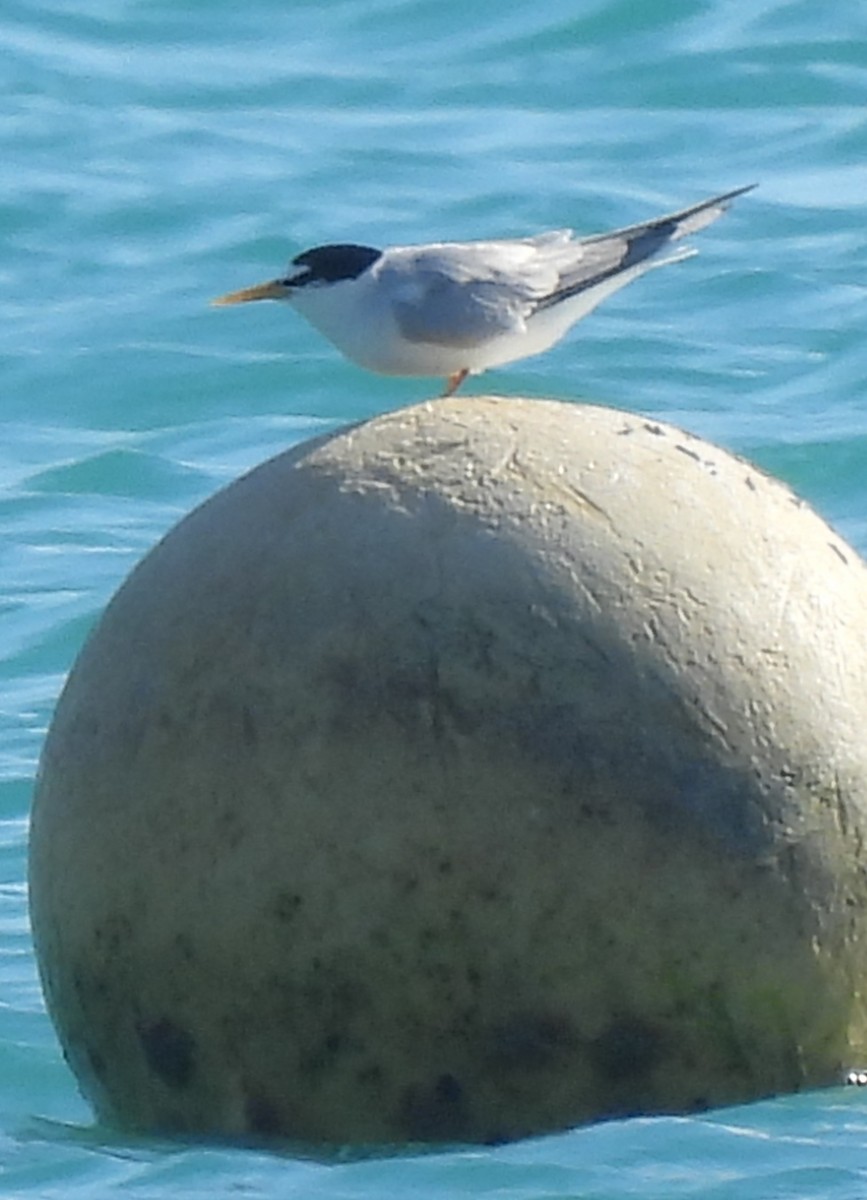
(486, 768)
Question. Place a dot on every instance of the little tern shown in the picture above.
(454, 309)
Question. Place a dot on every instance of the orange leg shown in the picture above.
(454, 382)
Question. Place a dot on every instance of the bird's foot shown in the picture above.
(454, 382)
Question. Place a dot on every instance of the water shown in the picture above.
(157, 154)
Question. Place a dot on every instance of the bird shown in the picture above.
(454, 309)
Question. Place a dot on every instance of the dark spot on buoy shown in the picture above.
(89, 986)
(689, 453)
(185, 948)
(97, 1062)
(248, 727)
(372, 1075)
(262, 1116)
(842, 557)
(113, 934)
(448, 1089)
(628, 1049)
(286, 905)
(749, 482)
(436, 1113)
(230, 828)
(382, 941)
(531, 1040)
(657, 430)
(169, 1050)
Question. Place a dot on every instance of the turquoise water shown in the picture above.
(156, 154)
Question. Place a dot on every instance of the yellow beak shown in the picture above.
(273, 290)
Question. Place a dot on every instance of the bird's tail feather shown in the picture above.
(677, 255)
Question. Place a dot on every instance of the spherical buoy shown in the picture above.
(485, 768)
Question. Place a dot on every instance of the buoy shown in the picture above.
(485, 768)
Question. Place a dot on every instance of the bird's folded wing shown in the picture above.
(467, 294)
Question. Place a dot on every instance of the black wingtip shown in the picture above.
(683, 215)
(727, 196)
(677, 224)
(698, 216)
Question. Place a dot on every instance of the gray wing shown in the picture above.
(466, 293)
(463, 294)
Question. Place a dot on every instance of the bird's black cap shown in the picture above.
(329, 264)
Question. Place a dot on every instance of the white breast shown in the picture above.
(356, 317)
